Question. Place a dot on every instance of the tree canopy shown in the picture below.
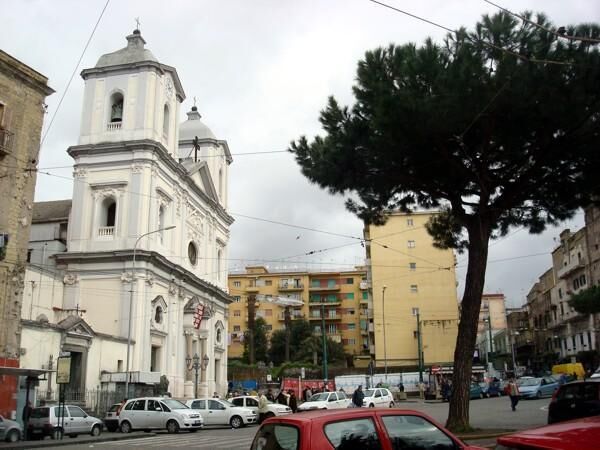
(586, 301)
(496, 127)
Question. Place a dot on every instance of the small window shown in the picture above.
(351, 326)
(350, 296)
(219, 336)
(251, 402)
(414, 288)
(199, 404)
(349, 280)
(268, 327)
(268, 282)
(237, 313)
(166, 122)
(409, 222)
(237, 328)
(29, 252)
(415, 432)
(411, 244)
(237, 298)
(268, 313)
(215, 405)
(412, 266)
(154, 405)
(238, 401)
(139, 405)
(358, 433)
(276, 436)
(192, 253)
(237, 284)
(129, 406)
(333, 397)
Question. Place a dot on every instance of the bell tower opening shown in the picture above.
(116, 110)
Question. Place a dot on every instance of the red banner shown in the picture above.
(295, 385)
(198, 315)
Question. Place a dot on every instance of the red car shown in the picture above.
(355, 429)
(580, 434)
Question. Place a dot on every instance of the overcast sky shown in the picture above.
(261, 71)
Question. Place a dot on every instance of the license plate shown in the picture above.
(37, 431)
(197, 422)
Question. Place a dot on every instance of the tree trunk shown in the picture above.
(458, 414)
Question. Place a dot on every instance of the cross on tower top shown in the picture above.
(194, 101)
(137, 23)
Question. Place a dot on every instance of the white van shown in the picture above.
(158, 413)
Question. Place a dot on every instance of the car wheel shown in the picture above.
(538, 394)
(125, 427)
(57, 434)
(13, 436)
(172, 427)
(391, 404)
(371, 405)
(236, 422)
(96, 430)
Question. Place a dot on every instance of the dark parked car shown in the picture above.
(575, 400)
(111, 419)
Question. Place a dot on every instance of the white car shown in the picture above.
(326, 400)
(251, 402)
(215, 411)
(156, 413)
(378, 398)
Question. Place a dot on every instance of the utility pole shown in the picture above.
(384, 341)
(324, 342)
(419, 344)
(288, 323)
(251, 317)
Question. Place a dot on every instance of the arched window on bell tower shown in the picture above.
(115, 111)
(108, 216)
(166, 122)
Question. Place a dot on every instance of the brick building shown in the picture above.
(22, 95)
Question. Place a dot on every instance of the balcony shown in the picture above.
(106, 233)
(6, 141)
(293, 316)
(113, 126)
(317, 316)
(329, 287)
(574, 264)
(334, 336)
(325, 301)
(286, 285)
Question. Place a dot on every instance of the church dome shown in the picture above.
(193, 127)
(133, 53)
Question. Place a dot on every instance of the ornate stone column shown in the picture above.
(188, 384)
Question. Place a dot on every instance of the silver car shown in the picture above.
(10, 431)
(47, 421)
(155, 413)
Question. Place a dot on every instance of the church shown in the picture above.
(129, 277)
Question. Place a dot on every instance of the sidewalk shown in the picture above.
(81, 439)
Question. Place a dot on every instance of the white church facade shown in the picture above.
(146, 231)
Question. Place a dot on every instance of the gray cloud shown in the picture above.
(261, 71)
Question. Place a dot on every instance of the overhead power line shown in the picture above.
(561, 35)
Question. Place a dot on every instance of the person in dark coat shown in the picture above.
(270, 396)
(293, 401)
(358, 397)
(281, 398)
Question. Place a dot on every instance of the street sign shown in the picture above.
(63, 370)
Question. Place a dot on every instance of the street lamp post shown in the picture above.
(194, 363)
(127, 374)
(384, 341)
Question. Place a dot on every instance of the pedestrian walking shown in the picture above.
(293, 401)
(121, 406)
(401, 387)
(263, 407)
(358, 397)
(281, 398)
(270, 396)
(513, 392)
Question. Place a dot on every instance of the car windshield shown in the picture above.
(529, 382)
(369, 392)
(114, 407)
(322, 397)
(173, 404)
(39, 413)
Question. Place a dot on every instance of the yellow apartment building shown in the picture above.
(341, 296)
(409, 275)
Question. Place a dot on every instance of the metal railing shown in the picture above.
(113, 126)
(106, 232)
(94, 401)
